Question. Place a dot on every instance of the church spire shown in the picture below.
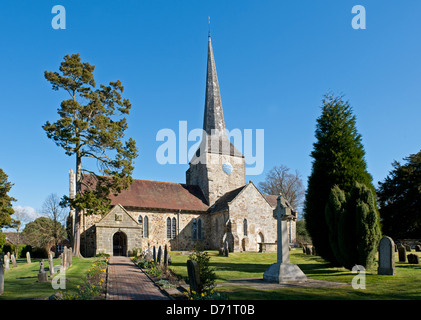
(213, 122)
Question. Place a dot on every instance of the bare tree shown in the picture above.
(52, 209)
(280, 180)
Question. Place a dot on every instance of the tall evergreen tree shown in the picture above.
(6, 208)
(92, 126)
(399, 197)
(338, 159)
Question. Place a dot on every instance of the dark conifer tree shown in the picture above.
(338, 159)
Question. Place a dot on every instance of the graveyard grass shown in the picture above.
(21, 283)
(403, 286)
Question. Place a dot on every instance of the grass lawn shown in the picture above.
(21, 282)
(405, 285)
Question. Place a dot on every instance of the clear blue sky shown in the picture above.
(275, 60)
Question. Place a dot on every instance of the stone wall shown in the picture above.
(98, 238)
(261, 225)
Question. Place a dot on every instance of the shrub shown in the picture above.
(207, 275)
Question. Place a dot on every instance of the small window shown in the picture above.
(168, 228)
(199, 229)
(145, 227)
(174, 227)
(194, 229)
(245, 227)
(140, 220)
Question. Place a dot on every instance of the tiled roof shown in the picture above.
(161, 195)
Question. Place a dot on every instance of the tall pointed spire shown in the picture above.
(214, 117)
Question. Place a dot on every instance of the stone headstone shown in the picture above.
(159, 258)
(418, 248)
(226, 250)
(402, 253)
(304, 249)
(51, 264)
(413, 258)
(313, 250)
(166, 256)
(14, 260)
(64, 258)
(6, 262)
(28, 257)
(386, 257)
(42, 276)
(283, 270)
(194, 275)
(408, 248)
(8, 255)
(154, 254)
(308, 250)
(69, 256)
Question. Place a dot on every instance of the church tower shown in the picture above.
(217, 167)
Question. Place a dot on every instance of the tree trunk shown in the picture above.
(76, 234)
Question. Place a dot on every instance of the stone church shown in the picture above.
(214, 206)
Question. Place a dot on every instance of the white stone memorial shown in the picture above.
(283, 270)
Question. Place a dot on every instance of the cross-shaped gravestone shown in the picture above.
(283, 270)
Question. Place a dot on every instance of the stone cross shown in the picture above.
(194, 275)
(283, 270)
(28, 257)
(386, 257)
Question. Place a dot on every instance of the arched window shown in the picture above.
(145, 227)
(199, 229)
(194, 229)
(245, 227)
(168, 228)
(174, 227)
(140, 220)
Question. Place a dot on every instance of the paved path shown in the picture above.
(127, 282)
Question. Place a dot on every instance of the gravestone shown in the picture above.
(408, 248)
(42, 276)
(313, 250)
(1, 279)
(64, 259)
(8, 255)
(194, 275)
(6, 262)
(308, 250)
(28, 257)
(418, 248)
(386, 257)
(51, 264)
(14, 260)
(413, 259)
(402, 253)
(225, 249)
(154, 254)
(283, 270)
(166, 256)
(69, 257)
(159, 258)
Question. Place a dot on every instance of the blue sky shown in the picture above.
(275, 61)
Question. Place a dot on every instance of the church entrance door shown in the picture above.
(119, 244)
